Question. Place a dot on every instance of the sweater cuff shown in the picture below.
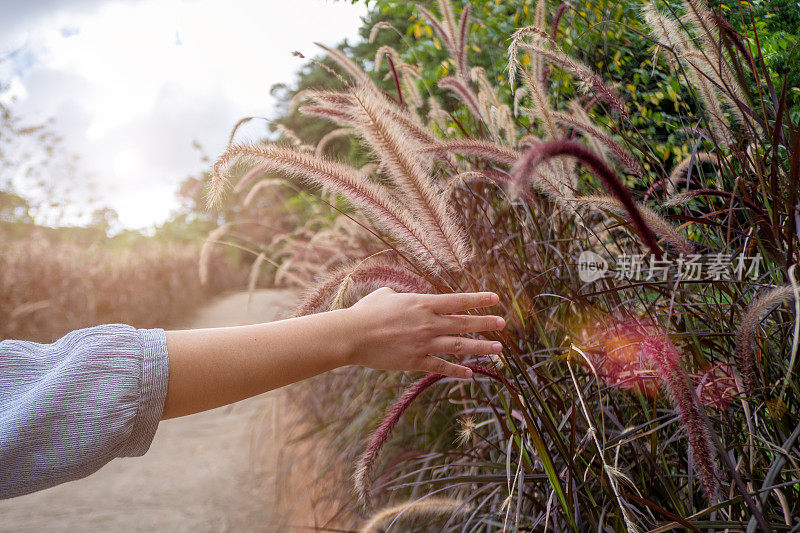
(152, 391)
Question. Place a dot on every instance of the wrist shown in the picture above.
(351, 336)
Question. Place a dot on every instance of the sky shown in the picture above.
(131, 84)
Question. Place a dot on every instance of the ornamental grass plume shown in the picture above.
(483, 149)
(463, 92)
(658, 348)
(410, 173)
(591, 81)
(454, 38)
(746, 336)
(578, 120)
(259, 187)
(366, 464)
(416, 509)
(206, 251)
(685, 168)
(614, 349)
(638, 356)
(351, 281)
(708, 71)
(715, 385)
(536, 155)
(660, 226)
(328, 137)
(375, 199)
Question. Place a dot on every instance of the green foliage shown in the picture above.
(777, 32)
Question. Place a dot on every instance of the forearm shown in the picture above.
(209, 368)
(384, 330)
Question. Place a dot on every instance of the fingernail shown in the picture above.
(501, 323)
(497, 347)
(467, 373)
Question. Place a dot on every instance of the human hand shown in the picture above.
(399, 331)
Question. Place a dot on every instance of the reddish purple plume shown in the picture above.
(539, 154)
(637, 355)
(366, 466)
(659, 348)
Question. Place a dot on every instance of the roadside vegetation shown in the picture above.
(490, 146)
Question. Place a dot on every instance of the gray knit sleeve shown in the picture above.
(68, 408)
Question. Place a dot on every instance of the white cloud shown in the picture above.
(132, 84)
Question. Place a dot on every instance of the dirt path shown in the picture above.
(214, 471)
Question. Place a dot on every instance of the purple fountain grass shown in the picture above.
(468, 177)
(484, 149)
(255, 270)
(260, 186)
(412, 125)
(366, 465)
(746, 336)
(658, 348)
(500, 117)
(365, 279)
(396, 80)
(464, 93)
(375, 271)
(346, 63)
(705, 22)
(658, 224)
(427, 507)
(541, 107)
(589, 78)
(345, 109)
(444, 35)
(338, 107)
(384, 51)
(328, 137)
(684, 166)
(205, 252)
(287, 133)
(517, 38)
(455, 39)
(478, 75)
(460, 54)
(322, 97)
(249, 176)
(399, 154)
(378, 26)
(671, 36)
(620, 153)
(557, 19)
(500, 179)
(338, 116)
(342, 108)
(372, 197)
(526, 166)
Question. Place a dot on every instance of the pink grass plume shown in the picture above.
(541, 153)
(367, 463)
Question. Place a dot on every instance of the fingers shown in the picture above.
(462, 301)
(459, 324)
(465, 346)
(437, 365)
